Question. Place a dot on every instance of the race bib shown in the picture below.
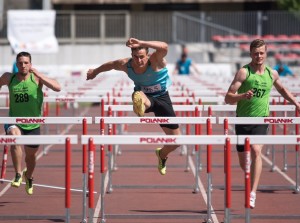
(151, 89)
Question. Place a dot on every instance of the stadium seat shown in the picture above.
(282, 38)
(295, 38)
(269, 38)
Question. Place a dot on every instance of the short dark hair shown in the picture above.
(257, 43)
(140, 48)
(183, 55)
(23, 54)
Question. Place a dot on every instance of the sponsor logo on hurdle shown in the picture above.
(247, 163)
(157, 140)
(64, 99)
(154, 120)
(298, 139)
(7, 140)
(91, 165)
(279, 120)
(30, 120)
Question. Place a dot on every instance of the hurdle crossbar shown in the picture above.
(233, 107)
(73, 99)
(37, 139)
(270, 139)
(158, 139)
(155, 120)
(174, 99)
(260, 120)
(129, 107)
(45, 120)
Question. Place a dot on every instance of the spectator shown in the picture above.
(15, 68)
(283, 69)
(184, 64)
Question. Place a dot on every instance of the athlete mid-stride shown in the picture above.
(151, 79)
(250, 89)
(25, 100)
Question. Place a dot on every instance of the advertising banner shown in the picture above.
(32, 31)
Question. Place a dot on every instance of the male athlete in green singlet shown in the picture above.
(25, 100)
(250, 89)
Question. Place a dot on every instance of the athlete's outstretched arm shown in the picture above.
(111, 65)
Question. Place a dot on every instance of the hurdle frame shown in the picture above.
(135, 139)
(264, 120)
(67, 140)
(57, 120)
(151, 120)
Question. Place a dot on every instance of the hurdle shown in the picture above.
(273, 108)
(214, 139)
(118, 108)
(67, 140)
(272, 121)
(55, 120)
(260, 139)
(4, 162)
(75, 99)
(92, 140)
(154, 120)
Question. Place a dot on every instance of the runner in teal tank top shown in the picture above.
(26, 99)
(250, 89)
(151, 79)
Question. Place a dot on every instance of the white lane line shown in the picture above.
(202, 189)
(98, 206)
(276, 168)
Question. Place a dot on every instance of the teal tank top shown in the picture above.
(25, 100)
(258, 105)
(153, 83)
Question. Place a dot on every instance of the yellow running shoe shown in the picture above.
(161, 163)
(29, 185)
(138, 105)
(17, 181)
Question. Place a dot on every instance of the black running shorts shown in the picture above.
(162, 106)
(250, 130)
(36, 131)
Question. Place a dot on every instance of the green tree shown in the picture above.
(289, 5)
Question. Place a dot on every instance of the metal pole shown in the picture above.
(84, 171)
(247, 180)
(1, 13)
(91, 163)
(102, 171)
(68, 179)
(227, 180)
(209, 180)
(259, 23)
(46, 4)
(197, 189)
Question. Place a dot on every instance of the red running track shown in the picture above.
(140, 194)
